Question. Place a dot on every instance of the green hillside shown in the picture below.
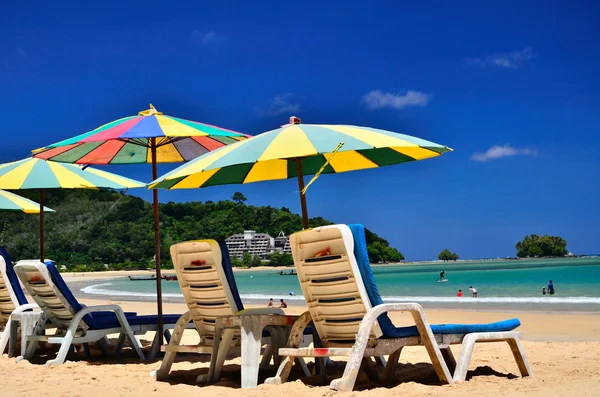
(92, 228)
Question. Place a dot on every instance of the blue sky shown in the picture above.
(513, 87)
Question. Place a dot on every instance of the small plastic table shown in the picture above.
(27, 321)
(251, 327)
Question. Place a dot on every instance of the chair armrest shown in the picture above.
(415, 309)
(25, 307)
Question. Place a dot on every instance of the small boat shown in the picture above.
(169, 277)
(291, 273)
(142, 278)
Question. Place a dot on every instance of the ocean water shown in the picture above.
(500, 284)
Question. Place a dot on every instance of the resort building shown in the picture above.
(260, 244)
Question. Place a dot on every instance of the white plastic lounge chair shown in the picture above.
(12, 299)
(74, 322)
(210, 291)
(351, 320)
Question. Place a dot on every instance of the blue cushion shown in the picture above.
(103, 320)
(226, 263)
(12, 278)
(387, 327)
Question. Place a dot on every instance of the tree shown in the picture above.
(255, 261)
(92, 227)
(239, 198)
(246, 259)
(446, 255)
(540, 246)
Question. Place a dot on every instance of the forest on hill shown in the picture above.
(94, 228)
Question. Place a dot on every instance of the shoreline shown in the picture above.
(466, 304)
(125, 273)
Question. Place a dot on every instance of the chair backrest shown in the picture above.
(331, 282)
(48, 289)
(11, 294)
(207, 283)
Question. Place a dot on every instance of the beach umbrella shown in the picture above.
(295, 150)
(149, 137)
(32, 173)
(10, 202)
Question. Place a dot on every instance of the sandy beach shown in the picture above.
(562, 350)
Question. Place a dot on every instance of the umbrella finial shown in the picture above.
(295, 120)
(150, 112)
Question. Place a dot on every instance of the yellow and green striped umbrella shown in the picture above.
(32, 173)
(10, 202)
(298, 149)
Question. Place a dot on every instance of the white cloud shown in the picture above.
(206, 37)
(507, 60)
(378, 99)
(497, 152)
(281, 104)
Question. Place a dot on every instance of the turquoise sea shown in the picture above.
(514, 285)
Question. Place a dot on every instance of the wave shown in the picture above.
(100, 289)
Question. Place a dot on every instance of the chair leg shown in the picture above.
(86, 350)
(118, 347)
(466, 351)
(519, 355)
(11, 329)
(65, 348)
(163, 372)
(392, 363)
(448, 358)
(296, 336)
(5, 336)
(370, 369)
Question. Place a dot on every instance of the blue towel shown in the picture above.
(386, 325)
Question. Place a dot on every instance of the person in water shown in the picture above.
(550, 288)
(442, 275)
(283, 304)
(270, 303)
(459, 293)
(544, 291)
(473, 292)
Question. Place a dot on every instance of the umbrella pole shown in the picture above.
(159, 331)
(42, 225)
(302, 195)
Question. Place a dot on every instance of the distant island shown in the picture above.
(534, 246)
(446, 255)
(94, 230)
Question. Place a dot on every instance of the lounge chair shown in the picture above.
(76, 323)
(208, 285)
(12, 298)
(351, 320)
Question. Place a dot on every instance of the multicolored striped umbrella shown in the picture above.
(130, 141)
(32, 173)
(149, 137)
(298, 149)
(10, 202)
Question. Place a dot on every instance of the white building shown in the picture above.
(260, 244)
